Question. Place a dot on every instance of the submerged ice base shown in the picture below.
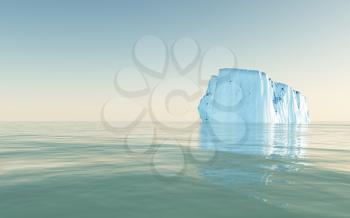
(250, 96)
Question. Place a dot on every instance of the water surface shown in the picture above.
(86, 170)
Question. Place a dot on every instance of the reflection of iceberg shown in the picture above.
(254, 139)
(250, 96)
(254, 153)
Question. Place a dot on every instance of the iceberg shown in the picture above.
(251, 96)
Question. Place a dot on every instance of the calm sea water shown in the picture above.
(86, 170)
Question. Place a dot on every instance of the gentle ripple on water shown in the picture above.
(82, 170)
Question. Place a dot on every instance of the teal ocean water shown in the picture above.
(86, 170)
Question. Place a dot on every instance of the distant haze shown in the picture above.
(58, 58)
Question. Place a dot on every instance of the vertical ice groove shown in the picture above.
(263, 100)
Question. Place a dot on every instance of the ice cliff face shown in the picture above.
(250, 96)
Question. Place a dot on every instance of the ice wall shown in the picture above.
(250, 96)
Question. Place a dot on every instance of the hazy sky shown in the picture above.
(58, 58)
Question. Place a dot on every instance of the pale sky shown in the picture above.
(58, 59)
